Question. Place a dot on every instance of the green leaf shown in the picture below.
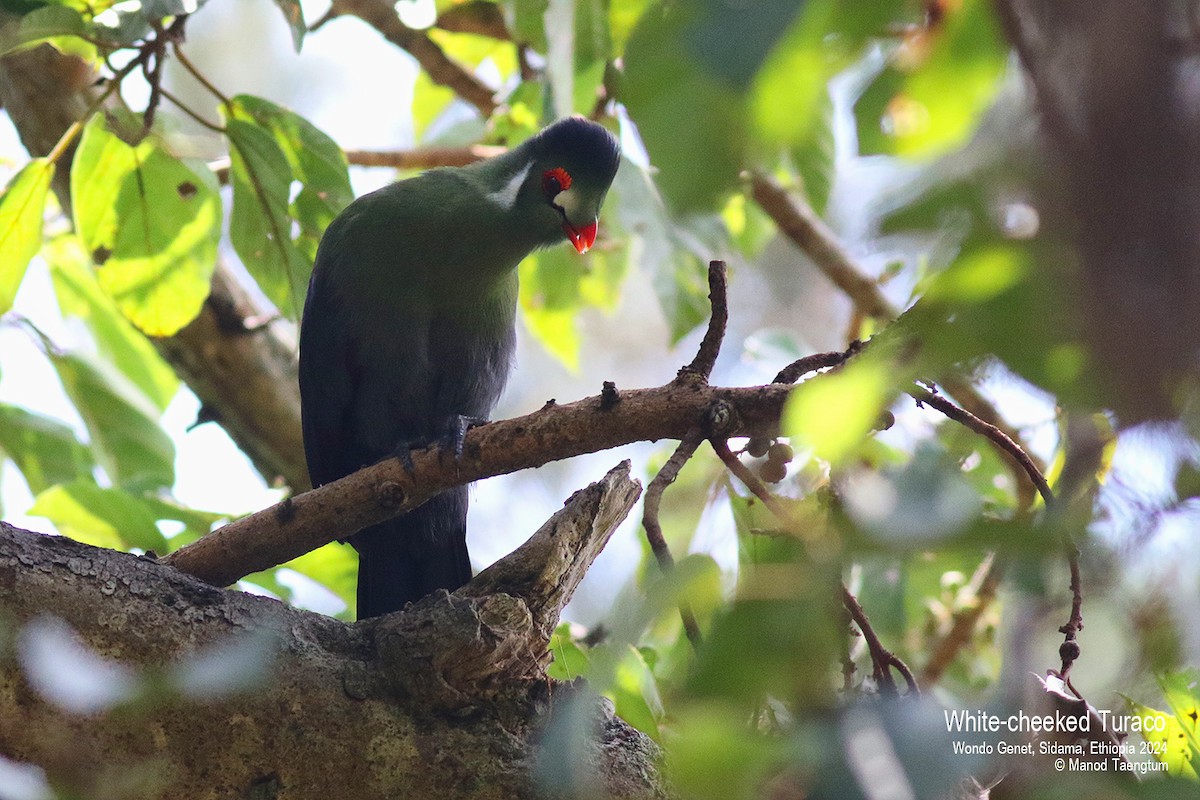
(679, 277)
(940, 83)
(570, 660)
(294, 15)
(550, 301)
(122, 423)
(57, 25)
(832, 413)
(635, 693)
(21, 209)
(1168, 738)
(196, 523)
(528, 23)
(261, 227)
(692, 123)
(80, 295)
(45, 450)
(101, 517)
(151, 224)
(334, 566)
(315, 161)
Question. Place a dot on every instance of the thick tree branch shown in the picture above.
(382, 16)
(385, 490)
(453, 675)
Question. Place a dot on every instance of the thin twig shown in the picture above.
(811, 363)
(985, 583)
(650, 522)
(994, 434)
(212, 126)
(383, 17)
(710, 346)
(808, 231)
(751, 481)
(882, 659)
(187, 64)
(425, 157)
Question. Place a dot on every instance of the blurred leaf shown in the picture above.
(528, 23)
(260, 226)
(715, 755)
(656, 244)
(80, 295)
(334, 566)
(550, 300)
(100, 517)
(623, 15)
(45, 450)
(691, 121)
(196, 523)
(941, 81)
(570, 660)
(833, 412)
(635, 693)
(234, 665)
(924, 501)
(1180, 689)
(122, 423)
(21, 209)
(315, 161)
(60, 26)
(1168, 736)
(294, 16)
(150, 222)
(65, 671)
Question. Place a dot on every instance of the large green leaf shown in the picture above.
(151, 224)
(45, 450)
(80, 295)
(693, 123)
(315, 161)
(122, 423)
(21, 208)
(260, 226)
(102, 517)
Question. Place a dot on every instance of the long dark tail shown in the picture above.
(407, 558)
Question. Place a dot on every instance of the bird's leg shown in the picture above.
(455, 434)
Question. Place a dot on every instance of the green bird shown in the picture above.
(409, 329)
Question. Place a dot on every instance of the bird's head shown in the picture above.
(570, 166)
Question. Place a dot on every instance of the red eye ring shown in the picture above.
(555, 180)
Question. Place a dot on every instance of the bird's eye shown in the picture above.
(554, 181)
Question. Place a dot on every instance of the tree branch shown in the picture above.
(382, 16)
(453, 680)
(809, 232)
(385, 490)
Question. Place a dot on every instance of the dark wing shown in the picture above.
(328, 373)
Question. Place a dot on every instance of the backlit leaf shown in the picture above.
(21, 208)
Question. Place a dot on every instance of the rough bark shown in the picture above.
(445, 699)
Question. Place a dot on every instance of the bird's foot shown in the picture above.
(456, 432)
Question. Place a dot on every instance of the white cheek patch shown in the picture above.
(568, 200)
(506, 196)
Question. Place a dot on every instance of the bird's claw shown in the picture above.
(456, 432)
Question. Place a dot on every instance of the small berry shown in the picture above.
(773, 471)
(780, 452)
(758, 446)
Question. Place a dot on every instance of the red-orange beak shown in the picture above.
(583, 238)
